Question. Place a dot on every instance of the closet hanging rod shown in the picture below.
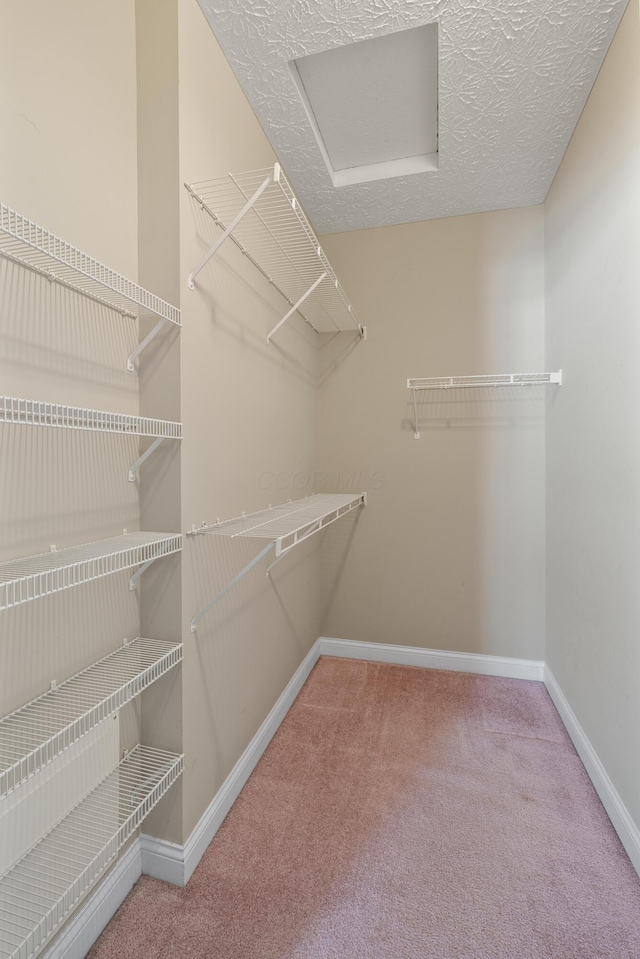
(417, 384)
(261, 214)
(285, 527)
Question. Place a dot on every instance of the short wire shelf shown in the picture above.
(29, 244)
(285, 526)
(263, 217)
(417, 384)
(24, 580)
(42, 888)
(37, 733)
(491, 379)
(26, 412)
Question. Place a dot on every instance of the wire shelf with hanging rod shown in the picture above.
(420, 383)
(285, 527)
(261, 214)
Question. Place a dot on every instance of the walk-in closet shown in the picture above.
(320, 478)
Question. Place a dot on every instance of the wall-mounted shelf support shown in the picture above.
(295, 306)
(285, 526)
(417, 384)
(160, 325)
(133, 469)
(229, 230)
(133, 581)
(280, 242)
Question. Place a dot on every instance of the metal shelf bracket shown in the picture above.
(144, 343)
(133, 469)
(295, 306)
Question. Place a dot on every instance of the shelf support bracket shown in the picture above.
(296, 305)
(133, 582)
(415, 415)
(229, 230)
(133, 469)
(237, 578)
(141, 346)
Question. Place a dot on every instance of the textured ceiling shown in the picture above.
(513, 78)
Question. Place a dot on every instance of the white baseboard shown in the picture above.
(84, 927)
(176, 864)
(434, 659)
(622, 822)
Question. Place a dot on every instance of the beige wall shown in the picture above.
(449, 554)
(593, 453)
(247, 408)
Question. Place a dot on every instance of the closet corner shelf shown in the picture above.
(25, 412)
(284, 526)
(38, 732)
(263, 217)
(42, 888)
(23, 580)
(27, 243)
(417, 384)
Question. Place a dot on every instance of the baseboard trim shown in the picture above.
(621, 819)
(434, 659)
(176, 864)
(86, 924)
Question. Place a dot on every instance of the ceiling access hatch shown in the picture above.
(373, 105)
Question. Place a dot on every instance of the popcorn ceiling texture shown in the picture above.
(514, 77)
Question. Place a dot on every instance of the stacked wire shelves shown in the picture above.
(261, 214)
(40, 890)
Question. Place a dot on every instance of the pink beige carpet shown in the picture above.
(402, 813)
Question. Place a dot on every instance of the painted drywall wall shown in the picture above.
(68, 161)
(249, 412)
(449, 553)
(593, 454)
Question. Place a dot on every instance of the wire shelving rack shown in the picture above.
(23, 580)
(417, 384)
(29, 244)
(41, 889)
(285, 527)
(38, 732)
(263, 217)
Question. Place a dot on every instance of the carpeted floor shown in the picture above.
(402, 813)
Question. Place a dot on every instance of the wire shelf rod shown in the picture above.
(42, 888)
(38, 732)
(30, 578)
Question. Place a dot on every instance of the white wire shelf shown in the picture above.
(284, 526)
(416, 384)
(42, 888)
(37, 733)
(492, 379)
(23, 580)
(26, 412)
(263, 217)
(26, 242)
